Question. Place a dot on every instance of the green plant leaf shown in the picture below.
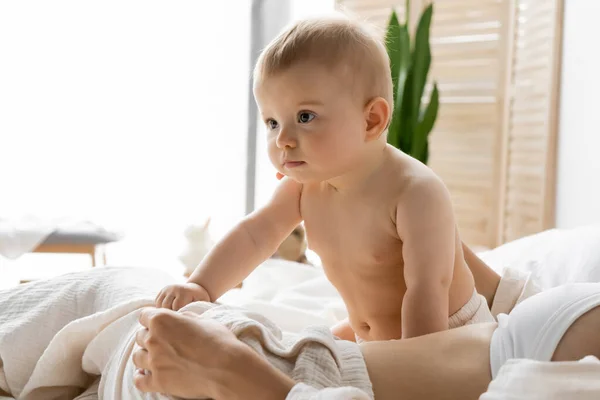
(394, 128)
(420, 147)
(398, 48)
(392, 137)
(398, 115)
(406, 121)
(421, 61)
(393, 47)
(404, 61)
(410, 63)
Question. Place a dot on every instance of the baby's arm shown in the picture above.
(425, 224)
(251, 242)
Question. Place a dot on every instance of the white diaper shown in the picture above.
(534, 327)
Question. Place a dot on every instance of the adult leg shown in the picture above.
(581, 339)
(448, 365)
(486, 279)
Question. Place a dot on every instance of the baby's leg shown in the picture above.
(343, 330)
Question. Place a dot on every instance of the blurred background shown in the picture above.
(133, 122)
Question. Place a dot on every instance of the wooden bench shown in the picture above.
(86, 239)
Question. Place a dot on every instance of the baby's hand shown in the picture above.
(179, 295)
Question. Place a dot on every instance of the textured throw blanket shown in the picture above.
(46, 326)
(58, 336)
(312, 356)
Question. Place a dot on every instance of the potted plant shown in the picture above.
(411, 121)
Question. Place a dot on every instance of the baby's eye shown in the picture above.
(305, 117)
(272, 124)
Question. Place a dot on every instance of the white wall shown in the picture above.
(578, 190)
(120, 112)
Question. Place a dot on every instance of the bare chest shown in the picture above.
(350, 231)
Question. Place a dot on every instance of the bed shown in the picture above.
(297, 295)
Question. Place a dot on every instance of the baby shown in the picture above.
(381, 221)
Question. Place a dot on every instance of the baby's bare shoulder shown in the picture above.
(409, 175)
(416, 185)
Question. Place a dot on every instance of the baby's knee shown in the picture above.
(343, 331)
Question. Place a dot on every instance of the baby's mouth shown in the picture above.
(293, 164)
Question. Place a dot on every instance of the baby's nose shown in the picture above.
(285, 139)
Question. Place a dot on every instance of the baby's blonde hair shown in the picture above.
(333, 42)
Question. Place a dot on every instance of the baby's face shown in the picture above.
(315, 126)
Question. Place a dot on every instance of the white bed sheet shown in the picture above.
(290, 294)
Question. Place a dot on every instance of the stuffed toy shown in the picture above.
(293, 248)
(200, 242)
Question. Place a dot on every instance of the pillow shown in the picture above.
(553, 257)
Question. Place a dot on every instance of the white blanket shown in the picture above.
(535, 380)
(57, 336)
(290, 294)
(45, 326)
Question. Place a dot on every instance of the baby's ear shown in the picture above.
(377, 115)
